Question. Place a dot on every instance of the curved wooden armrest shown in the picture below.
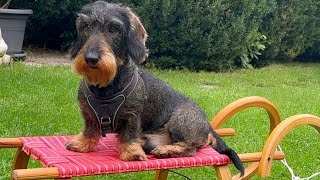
(278, 134)
(241, 104)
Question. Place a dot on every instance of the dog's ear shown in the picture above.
(137, 37)
(76, 46)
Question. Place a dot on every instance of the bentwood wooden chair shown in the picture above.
(59, 163)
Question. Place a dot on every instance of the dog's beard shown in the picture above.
(101, 74)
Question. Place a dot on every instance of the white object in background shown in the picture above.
(4, 58)
(3, 46)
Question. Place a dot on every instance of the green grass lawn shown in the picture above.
(38, 101)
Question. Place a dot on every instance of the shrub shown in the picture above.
(291, 28)
(198, 35)
(203, 35)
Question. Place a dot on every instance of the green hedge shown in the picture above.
(199, 35)
(292, 27)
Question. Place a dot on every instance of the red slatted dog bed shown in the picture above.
(51, 152)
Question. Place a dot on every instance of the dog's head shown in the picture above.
(109, 36)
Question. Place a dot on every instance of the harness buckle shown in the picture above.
(105, 126)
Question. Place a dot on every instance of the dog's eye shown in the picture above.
(113, 29)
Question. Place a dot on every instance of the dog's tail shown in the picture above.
(222, 148)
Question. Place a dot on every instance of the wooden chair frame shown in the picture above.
(261, 162)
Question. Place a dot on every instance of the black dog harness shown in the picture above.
(106, 108)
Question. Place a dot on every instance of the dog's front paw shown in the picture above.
(132, 152)
(73, 146)
(82, 144)
(77, 146)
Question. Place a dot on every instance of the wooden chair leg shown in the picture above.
(223, 172)
(21, 160)
(250, 171)
(161, 174)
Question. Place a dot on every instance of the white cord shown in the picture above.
(294, 177)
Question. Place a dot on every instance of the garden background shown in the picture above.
(225, 36)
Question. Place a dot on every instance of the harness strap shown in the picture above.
(106, 108)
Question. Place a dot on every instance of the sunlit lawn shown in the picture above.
(42, 101)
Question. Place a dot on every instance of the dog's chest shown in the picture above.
(106, 108)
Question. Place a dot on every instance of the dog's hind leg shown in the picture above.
(188, 129)
(160, 145)
(179, 149)
(155, 139)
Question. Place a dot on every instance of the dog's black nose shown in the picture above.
(91, 57)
